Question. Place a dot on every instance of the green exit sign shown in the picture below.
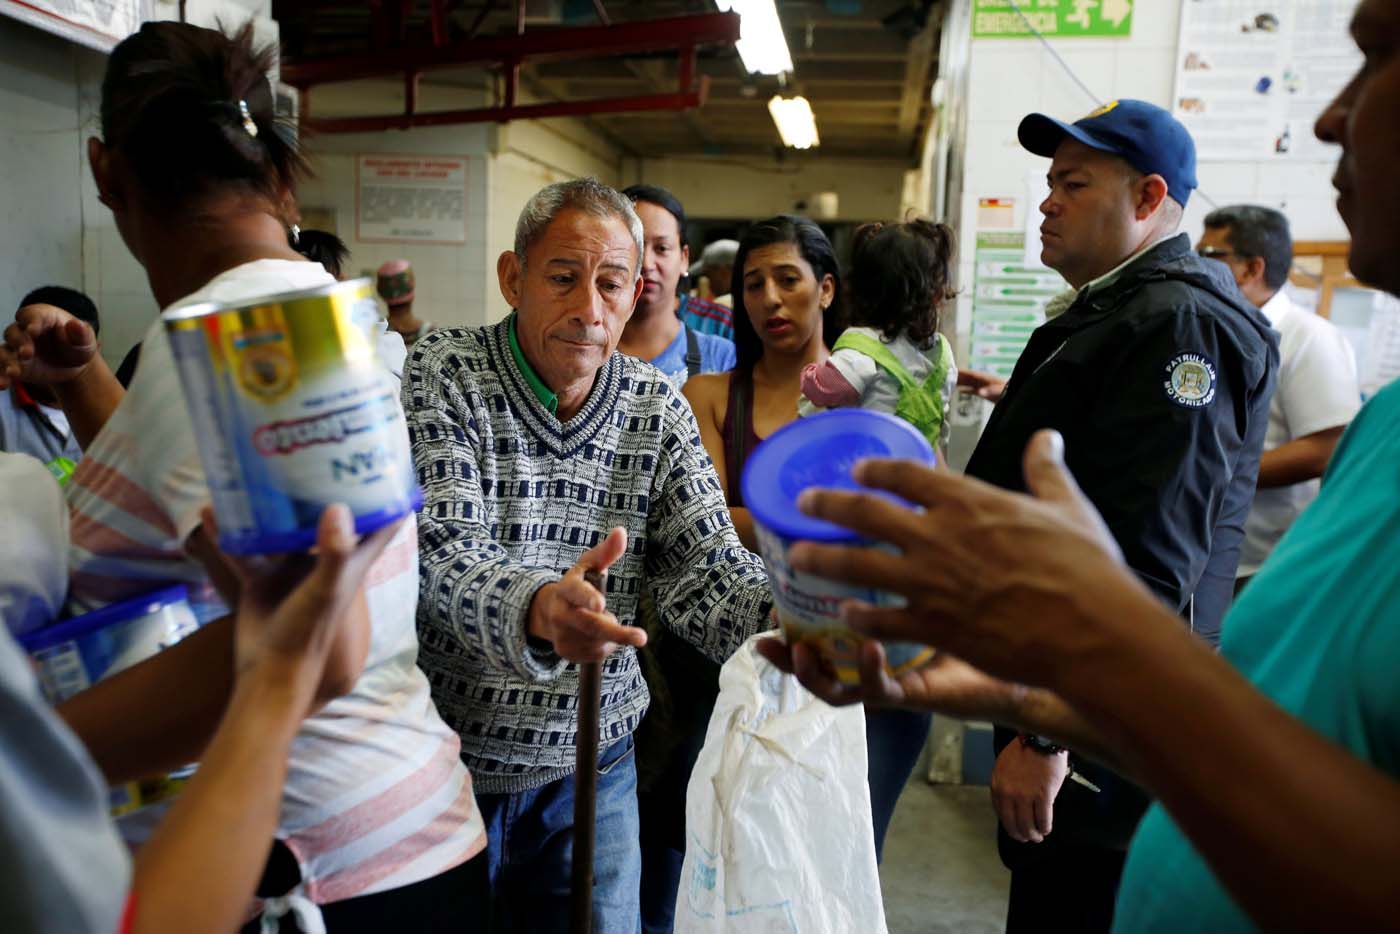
(999, 19)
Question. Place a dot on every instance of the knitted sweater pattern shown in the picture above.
(512, 499)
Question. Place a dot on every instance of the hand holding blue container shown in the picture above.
(821, 451)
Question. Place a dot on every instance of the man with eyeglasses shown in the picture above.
(1317, 393)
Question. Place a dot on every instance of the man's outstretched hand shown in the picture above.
(572, 615)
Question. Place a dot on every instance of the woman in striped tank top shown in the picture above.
(378, 827)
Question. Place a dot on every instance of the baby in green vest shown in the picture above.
(892, 358)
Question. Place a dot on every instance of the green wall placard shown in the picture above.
(1065, 19)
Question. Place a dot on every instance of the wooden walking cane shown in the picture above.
(590, 688)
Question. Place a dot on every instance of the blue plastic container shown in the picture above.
(77, 653)
(821, 451)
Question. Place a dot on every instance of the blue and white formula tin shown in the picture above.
(294, 411)
(75, 654)
(821, 451)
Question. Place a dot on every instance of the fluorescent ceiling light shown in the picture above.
(762, 45)
(796, 123)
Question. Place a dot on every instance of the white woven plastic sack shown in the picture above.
(778, 814)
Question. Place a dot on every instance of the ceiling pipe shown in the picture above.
(439, 21)
(682, 34)
(581, 42)
(608, 105)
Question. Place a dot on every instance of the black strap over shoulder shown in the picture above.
(692, 352)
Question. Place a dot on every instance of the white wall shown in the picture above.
(1010, 78)
(456, 284)
(449, 277)
(53, 230)
(530, 155)
(40, 149)
(753, 188)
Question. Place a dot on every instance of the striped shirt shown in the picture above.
(707, 317)
(512, 499)
(376, 796)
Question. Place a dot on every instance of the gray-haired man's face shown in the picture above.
(573, 296)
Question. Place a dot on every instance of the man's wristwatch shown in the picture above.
(1041, 745)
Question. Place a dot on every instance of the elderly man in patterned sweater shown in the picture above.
(542, 453)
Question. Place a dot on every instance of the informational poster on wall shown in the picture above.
(1252, 75)
(410, 199)
(996, 213)
(97, 24)
(1037, 191)
(1380, 354)
(1008, 301)
(1064, 19)
(1370, 321)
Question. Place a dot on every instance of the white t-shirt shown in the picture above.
(879, 391)
(1317, 390)
(376, 795)
(34, 548)
(65, 868)
(57, 419)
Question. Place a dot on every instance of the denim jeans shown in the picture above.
(894, 740)
(530, 844)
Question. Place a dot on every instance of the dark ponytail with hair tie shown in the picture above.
(191, 111)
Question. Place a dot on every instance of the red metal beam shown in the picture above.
(580, 42)
(439, 21)
(606, 105)
(685, 73)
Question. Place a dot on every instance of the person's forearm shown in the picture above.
(89, 400)
(199, 870)
(1046, 714)
(1271, 805)
(158, 715)
(488, 609)
(1043, 711)
(1298, 460)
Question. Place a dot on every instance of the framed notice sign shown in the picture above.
(410, 199)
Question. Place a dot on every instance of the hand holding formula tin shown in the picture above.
(293, 411)
(292, 609)
(814, 453)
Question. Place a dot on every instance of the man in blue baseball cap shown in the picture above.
(1159, 377)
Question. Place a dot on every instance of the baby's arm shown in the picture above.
(840, 381)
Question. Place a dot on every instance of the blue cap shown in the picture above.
(820, 451)
(1146, 136)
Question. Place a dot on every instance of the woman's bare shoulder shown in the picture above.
(706, 388)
